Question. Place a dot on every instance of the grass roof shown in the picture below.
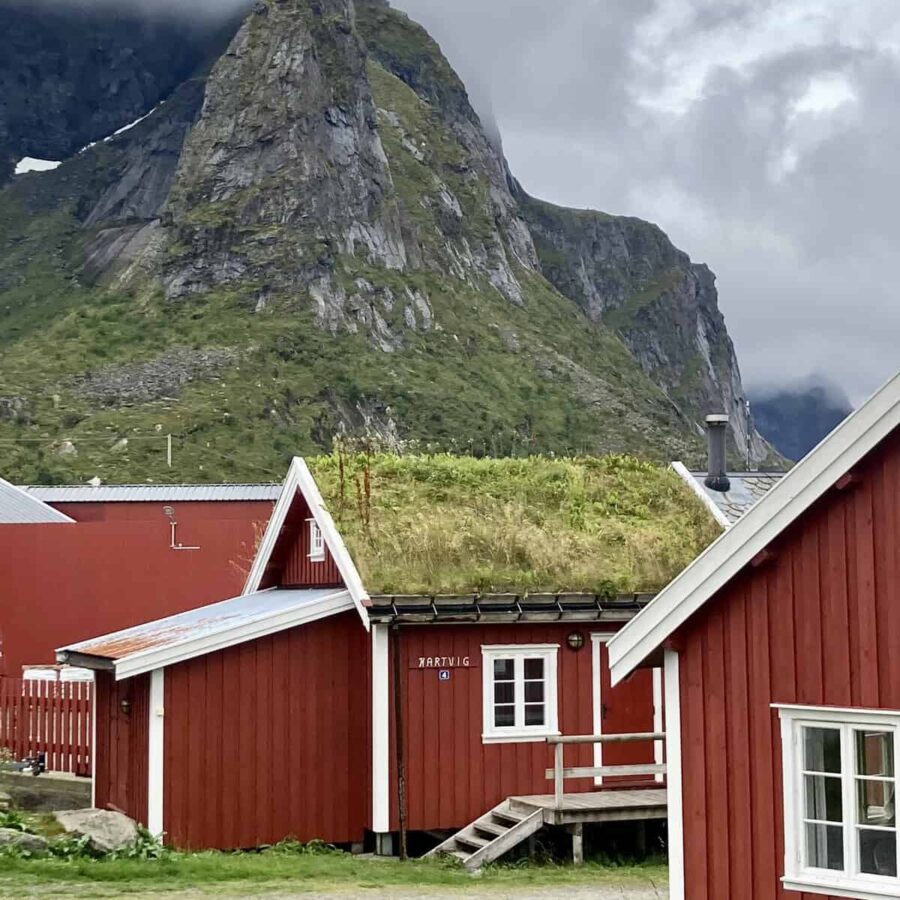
(449, 524)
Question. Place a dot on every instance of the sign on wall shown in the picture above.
(441, 662)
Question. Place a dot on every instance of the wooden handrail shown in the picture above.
(606, 738)
(559, 773)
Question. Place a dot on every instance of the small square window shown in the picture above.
(316, 542)
(520, 698)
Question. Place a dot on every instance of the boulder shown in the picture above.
(107, 830)
(33, 843)
(5, 801)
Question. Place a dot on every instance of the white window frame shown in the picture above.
(520, 733)
(316, 542)
(798, 876)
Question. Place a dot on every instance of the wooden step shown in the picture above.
(492, 828)
(472, 840)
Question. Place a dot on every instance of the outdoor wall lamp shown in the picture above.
(125, 705)
(575, 640)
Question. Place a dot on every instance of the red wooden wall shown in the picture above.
(271, 739)
(300, 571)
(122, 744)
(186, 512)
(66, 583)
(452, 775)
(817, 626)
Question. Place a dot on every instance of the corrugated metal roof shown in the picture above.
(746, 489)
(199, 623)
(18, 507)
(153, 493)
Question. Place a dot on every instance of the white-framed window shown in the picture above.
(840, 786)
(316, 542)
(519, 692)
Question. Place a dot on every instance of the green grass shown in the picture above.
(445, 524)
(253, 874)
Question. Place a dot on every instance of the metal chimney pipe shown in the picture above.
(716, 473)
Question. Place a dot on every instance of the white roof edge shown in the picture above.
(262, 626)
(681, 469)
(300, 478)
(53, 515)
(782, 505)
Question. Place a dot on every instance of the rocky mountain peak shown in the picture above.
(316, 224)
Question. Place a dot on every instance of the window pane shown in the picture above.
(504, 716)
(534, 713)
(822, 749)
(504, 692)
(503, 670)
(823, 798)
(534, 668)
(875, 753)
(825, 846)
(534, 691)
(878, 852)
(875, 803)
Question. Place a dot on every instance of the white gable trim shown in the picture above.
(299, 478)
(680, 469)
(53, 514)
(160, 657)
(751, 534)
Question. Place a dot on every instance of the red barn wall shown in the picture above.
(122, 744)
(271, 739)
(66, 583)
(817, 626)
(186, 512)
(452, 775)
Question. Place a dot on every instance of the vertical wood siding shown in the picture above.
(452, 775)
(122, 744)
(270, 739)
(300, 571)
(817, 626)
(66, 583)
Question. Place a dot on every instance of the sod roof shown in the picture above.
(447, 524)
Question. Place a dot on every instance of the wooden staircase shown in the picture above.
(492, 835)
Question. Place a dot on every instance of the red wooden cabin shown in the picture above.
(781, 648)
(292, 709)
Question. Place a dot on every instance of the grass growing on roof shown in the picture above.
(447, 524)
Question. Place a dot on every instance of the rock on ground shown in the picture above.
(106, 829)
(33, 843)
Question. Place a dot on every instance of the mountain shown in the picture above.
(311, 235)
(796, 420)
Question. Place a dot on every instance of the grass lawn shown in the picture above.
(290, 873)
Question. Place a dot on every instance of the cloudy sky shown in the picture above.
(762, 135)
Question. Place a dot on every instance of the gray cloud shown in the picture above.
(762, 136)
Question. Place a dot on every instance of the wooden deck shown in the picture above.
(596, 806)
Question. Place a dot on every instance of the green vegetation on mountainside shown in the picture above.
(445, 524)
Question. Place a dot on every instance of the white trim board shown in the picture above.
(756, 529)
(148, 660)
(674, 783)
(381, 758)
(299, 478)
(156, 752)
(681, 470)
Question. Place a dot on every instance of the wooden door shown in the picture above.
(634, 706)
